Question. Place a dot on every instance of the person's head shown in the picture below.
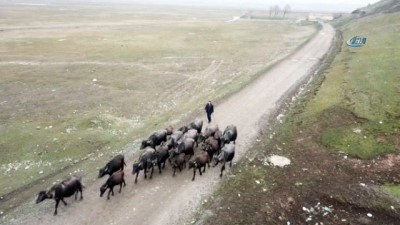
(209, 101)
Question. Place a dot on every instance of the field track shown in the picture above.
(171, 200)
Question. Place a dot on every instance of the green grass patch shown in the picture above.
(364, 83)
(355, 145)
(43, 149)
(365, 79)
(392, 189)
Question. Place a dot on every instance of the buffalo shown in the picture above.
(146, 162)
(62, 190)
(169, 130)
(179, 162)
(226, 155)
(174, 139)
(116, 178)
(184, 129)
(211, 146)
(209, 131)
(197, 124)
(230, 134)
(186, 146)
(161, 155)
(192, 133)
(198, 161)
(155, 139)
(115, 164)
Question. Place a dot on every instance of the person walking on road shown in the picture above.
(209, 110)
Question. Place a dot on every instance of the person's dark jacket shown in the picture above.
(209, 108)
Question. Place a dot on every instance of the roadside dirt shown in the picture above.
(320, 186)
(172, 200)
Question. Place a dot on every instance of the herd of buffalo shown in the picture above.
(187, 145)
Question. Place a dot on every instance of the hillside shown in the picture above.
(342, 135)
(385, 6)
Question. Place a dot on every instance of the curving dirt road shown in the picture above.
(167, 200)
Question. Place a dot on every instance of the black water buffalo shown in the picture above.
(115, 164)
(211, 146)
(209, 131)
(62, 190)
(161, 154)
(197, 124)
(186, 146)
(198, 161)
(169, 130)
(230, 134)
(178, 161)
(146, 161)
(226, 155)
(174, 139)
(218, 136)
(184, 129)
(116, 178)
(155, 139)
(192, 133)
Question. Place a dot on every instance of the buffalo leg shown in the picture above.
(204, 170)
(230, 164)
(194, 173)
(159, 167)
(222, 169)
(123, 180)
(137, 174)
(80, 190)
(65, 203)
(77, 192)
(57, 202)
(200, 170)
(174, 172)
(108, 195)
(151, 173)
(120, 187)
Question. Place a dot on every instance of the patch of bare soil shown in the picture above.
(383, 169)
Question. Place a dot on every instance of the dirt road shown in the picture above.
(168, 200)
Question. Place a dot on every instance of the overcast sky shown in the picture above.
(298, 5)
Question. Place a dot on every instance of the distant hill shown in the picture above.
(384, 6)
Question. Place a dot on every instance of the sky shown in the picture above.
(296, 5)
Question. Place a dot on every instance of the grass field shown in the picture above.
(80, 83)
(342, 136)
(364, 81)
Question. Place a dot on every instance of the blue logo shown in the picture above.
(356, 41)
